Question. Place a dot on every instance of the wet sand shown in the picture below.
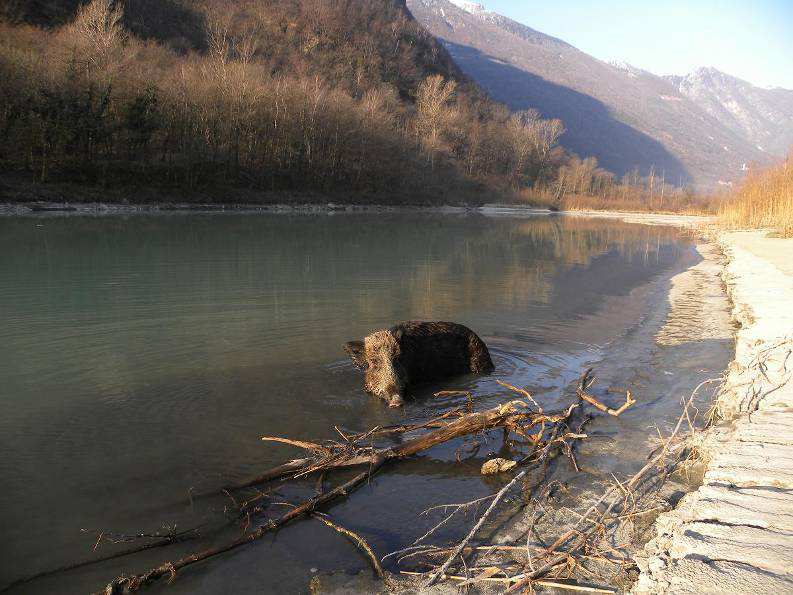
(735, 533)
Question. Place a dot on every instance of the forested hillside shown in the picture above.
(270, 101)
(342, 97)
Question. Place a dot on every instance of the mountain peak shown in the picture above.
(467, 6)
(763, 117)
(710, 73)
(709, 70)
(630, 69)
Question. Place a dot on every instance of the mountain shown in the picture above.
(762, 116)
(626, 117)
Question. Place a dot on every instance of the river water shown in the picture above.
(143, 356)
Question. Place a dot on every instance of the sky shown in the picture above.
(752, 40)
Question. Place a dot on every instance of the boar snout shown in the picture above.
(396, 401)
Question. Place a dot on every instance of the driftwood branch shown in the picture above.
(299, 443)
(543, 434)
(337, 456)
(521, 391)
(359, 541)
(586, 381)
(507, 580)
(158, 542)
(579, 537)
(457, 550)
(584, 538)
(125, 584)
(311, 464)
(455, 509)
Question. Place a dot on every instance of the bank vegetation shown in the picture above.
(580, 184)
(763, 200)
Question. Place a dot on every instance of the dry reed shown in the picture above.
(764, 200)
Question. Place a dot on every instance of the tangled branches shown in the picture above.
(553, 560)
(536, 436)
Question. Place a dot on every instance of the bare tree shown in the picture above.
(433, 101)
(97, 28)
(531, 139)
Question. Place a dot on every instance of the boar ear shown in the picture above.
(356, 352)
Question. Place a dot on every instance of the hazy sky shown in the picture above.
(752, 40)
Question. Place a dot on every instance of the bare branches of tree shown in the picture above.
(97, 28)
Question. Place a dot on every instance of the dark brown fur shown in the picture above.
(414, 352)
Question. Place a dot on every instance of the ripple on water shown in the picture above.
(145, 356)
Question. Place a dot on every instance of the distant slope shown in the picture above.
(762, 116)
(624, 116)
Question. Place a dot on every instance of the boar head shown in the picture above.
(378, 356)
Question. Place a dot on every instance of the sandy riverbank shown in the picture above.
(735, 533)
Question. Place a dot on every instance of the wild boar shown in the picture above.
(415, 352)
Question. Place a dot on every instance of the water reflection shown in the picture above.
(143, 356)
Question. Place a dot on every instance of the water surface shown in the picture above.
(142, 357)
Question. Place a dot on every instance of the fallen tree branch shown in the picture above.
(338, 456)
(517, 416)
(282, 470)
(318, 448)
(521, 391)
(457, 508)
(586, 382)
(511, 579)
(609, 498)
(456, 552)
(126, 584)
(167, 540)
(359, 541)
(297, 466)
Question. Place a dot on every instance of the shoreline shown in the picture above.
(50, 208)
(693, 291)
(735, 532)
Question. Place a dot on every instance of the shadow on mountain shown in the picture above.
(171, 22)
(168, 21)
(590, 127)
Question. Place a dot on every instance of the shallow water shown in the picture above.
(143, 356)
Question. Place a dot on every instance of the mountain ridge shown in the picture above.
(762, 115)
(669, 127)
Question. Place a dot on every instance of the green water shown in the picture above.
(141, 358)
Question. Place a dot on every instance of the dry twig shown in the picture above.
(456, 552)
(586, 381)
(359, 541)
